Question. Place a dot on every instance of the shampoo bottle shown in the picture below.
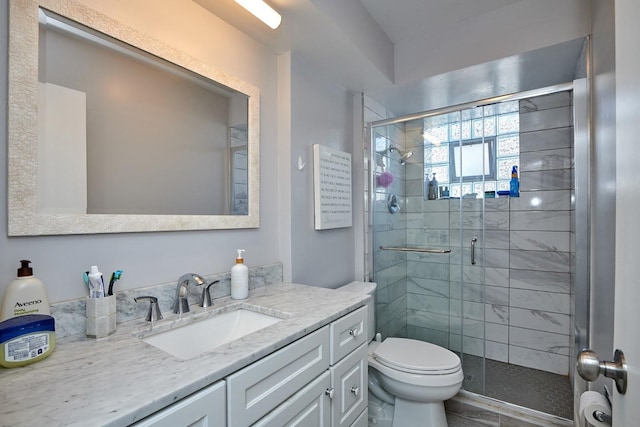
(25, 295)
(432, 193)
(239, 278)
(514, 184)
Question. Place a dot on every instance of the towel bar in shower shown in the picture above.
(409, 249)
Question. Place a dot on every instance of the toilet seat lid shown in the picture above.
(417, 357)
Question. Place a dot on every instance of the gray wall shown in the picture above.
(321, 113)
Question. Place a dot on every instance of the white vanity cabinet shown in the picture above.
(259, 388)
(204, 408)
(349, 368)
(319, 380)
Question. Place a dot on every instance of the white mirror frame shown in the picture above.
(23, 216)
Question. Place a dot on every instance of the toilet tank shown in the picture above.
(368, 288)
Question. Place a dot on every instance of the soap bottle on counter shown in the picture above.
(25, 295)
(239, 278)
(514, 184)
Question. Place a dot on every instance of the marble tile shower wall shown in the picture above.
(390, 267)
(522, 313)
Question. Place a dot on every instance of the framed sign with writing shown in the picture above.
(331, 188)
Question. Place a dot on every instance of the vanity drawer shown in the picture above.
(309, 407)
(348, 333)
(203, 408)
(257, 389)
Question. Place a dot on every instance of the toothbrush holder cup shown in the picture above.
(101, 316)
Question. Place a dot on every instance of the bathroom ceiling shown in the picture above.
(361, 45)
(404, 20)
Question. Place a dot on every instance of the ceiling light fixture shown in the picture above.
(262, 11)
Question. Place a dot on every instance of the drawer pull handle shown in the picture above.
(353, 332)
(355, 390)
(329, 392)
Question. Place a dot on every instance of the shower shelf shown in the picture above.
(409, 249)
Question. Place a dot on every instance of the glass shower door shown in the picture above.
(459, 149)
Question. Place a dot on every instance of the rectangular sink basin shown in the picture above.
(202, 336)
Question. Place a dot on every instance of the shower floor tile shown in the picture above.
(539, 390)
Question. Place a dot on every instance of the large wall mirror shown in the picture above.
(112, 131)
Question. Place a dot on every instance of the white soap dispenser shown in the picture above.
(25, 295)
(239, 278)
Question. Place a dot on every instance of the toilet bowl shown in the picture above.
(420, 375)
(414, 376)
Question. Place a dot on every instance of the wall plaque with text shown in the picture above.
(331, 188)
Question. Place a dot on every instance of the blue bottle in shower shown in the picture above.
(514, 185)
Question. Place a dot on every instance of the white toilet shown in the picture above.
(414, 376)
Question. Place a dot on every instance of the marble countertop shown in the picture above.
(119, 380)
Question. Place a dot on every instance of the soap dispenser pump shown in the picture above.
(25, 295)
(239, 278)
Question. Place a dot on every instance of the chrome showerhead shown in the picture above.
(403, 155)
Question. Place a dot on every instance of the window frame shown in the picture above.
(489, 176)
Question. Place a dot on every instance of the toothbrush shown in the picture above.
(87, 282)
(115, 276)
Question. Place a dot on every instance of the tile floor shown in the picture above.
(531, 388)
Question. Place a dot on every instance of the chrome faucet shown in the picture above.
(181, 304)
(154, 309)
(206, 295)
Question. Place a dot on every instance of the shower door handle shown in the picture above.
(473, 250)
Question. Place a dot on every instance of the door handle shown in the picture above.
(590, 367)
(473, 250)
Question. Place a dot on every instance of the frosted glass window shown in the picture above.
(466, 130)
(456, 191)
(476, 147)
(509, 145)
(508, 123)
(505, 165)
(489, 124)
(466, 188)
(481, 187)
(441, 171)
(503, 185)
(440, 154)
(436, 135)
(489, 110)
(455, 131)
(508, 107)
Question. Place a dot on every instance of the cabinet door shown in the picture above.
(349, 378)
(348, 333)
(362, 420)
(259, 388)
(310, 407)
(205, 408)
